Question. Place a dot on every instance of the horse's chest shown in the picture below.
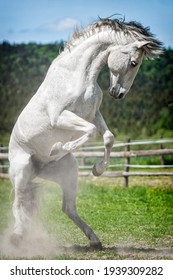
(88, 105)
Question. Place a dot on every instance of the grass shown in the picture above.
(132, 222)
(5, 203)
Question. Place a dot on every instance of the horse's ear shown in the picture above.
(141, 44)
(136, 45)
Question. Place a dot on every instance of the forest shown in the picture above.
(146, 111)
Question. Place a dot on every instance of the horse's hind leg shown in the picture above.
(65, 172)
(21, 174)
(69, 184)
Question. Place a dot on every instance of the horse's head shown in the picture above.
(124, 62)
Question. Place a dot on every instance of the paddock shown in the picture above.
(133, 223)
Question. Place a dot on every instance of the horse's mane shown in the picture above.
(134, 30)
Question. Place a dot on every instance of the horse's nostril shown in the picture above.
(120, 95)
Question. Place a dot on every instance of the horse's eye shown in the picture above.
(134, 63)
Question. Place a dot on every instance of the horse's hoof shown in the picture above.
(97, 169)
(56, 148)
(96, 246)
(15, 239)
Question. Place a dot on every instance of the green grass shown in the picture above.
(117, 214)
(134, 217)
(6, 199)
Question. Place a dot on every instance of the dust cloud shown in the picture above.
(36, 243)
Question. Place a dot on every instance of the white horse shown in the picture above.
(64, 114)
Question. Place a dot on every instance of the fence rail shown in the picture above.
(125, 154)
(95, 152)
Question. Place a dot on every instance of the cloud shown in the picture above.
(10, 31)
(64, 24)
(26, 30)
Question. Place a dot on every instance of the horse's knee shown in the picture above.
(91, 130)
(108, 139)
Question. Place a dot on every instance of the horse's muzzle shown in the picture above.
(117, 92)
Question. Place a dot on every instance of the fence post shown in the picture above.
(162, 160)
(127, 163)
(1, 161)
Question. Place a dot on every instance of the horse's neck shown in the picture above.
(89, 57)
(93, 61)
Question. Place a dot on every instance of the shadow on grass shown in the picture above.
(82, 252)
(120, 250)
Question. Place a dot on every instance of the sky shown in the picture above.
(49, 21)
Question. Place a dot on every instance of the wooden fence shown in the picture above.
(127, 155)
(94, 152)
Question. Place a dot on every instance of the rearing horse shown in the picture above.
(64, 114)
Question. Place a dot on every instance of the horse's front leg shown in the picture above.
(70, 121)
(108, 138)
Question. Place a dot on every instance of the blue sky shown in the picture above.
(45, 21)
